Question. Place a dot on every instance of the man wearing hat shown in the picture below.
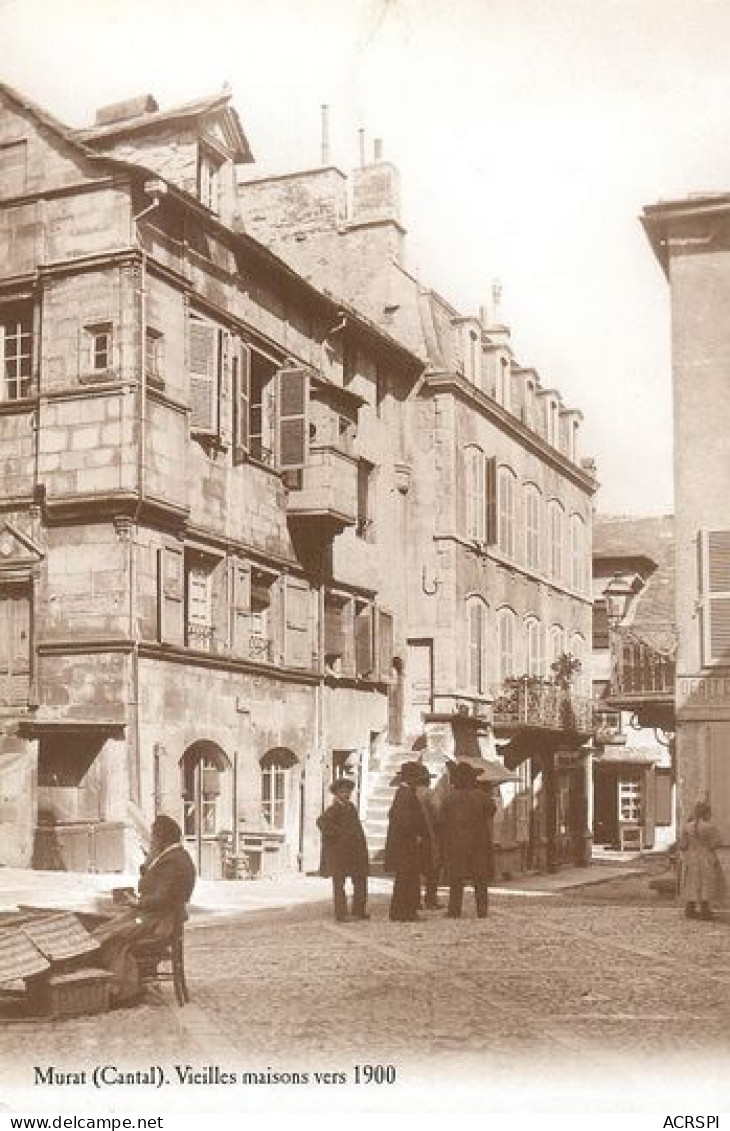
(466, 839)
(406, 844)
(344, 851)
(430, 861)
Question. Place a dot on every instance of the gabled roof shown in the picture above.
(200, 109)
(45, 119)
(649, 542)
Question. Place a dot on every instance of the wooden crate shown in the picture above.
(71, 994)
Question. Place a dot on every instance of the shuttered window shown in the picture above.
(715, 595)
(533, 649)
(203, 369)
(555, 540)
(477, 636)
(507, 501)
(240, 590)
(297, 605)
(492, 522)
(533, 501)
(506, 637)
(171, 586)
(475, 493)
(364, 659)
(293, 438)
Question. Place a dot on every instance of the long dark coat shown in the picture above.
(344, 847)
(466, 834)
(167, 883)
(407, 844)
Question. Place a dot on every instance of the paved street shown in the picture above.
(591, 979)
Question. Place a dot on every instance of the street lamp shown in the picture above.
(617, 595)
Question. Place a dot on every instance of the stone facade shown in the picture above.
(691, 239)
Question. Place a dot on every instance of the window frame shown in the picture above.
(475, 466)
(533, 526)
(507, 511)
(477, 612)
(20, 317)
(506, 616)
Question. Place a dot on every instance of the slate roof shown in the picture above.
(644, 545)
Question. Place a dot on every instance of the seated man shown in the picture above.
(153, 915)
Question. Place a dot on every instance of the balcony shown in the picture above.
(325, 490)
(643, 676)
(531, 704)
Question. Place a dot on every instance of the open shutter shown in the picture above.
(293, 426)
(385, 645)
(241, 401)
(649, 806)
(226, 353)
(333, 636)
(170, 588)
(203, 368)
(715, 595)
(297, 643)
(364, 640)
(492, 526)
(239, 587)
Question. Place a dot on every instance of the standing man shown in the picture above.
(466, 840)
(405, 845)
(430, 862)
(344, 851)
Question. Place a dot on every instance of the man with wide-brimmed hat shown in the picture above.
(406, 844)
(466, 839)
(430, 861)
(344, 851)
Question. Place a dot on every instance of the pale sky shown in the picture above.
(528, 133)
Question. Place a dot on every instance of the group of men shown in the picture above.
(446, 830)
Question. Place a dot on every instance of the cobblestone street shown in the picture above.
(589, 980)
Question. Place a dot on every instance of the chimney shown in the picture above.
(361, 139)
(378, 150)
(126, 110)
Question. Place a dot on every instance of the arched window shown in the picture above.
(477, 628)
(507, 505)
(556, 646)
(555, 540)
(475, 492)
(533, 508)
(506, 642)
(276, 798)
(577, 552)
(533, 650)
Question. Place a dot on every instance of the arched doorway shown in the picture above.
(208, 804)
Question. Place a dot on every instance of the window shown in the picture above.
(261, 638)
(556, 646)
(364, 639)
(528, 410)
(533, 502)
(100, 347)
(276, 790)
(16, 352)
(204, 360)
(506, 641)
(507, 498)
(629, 800)
(577, 552)
(475, 493)
(477, 636)
(365, 471)
(263, 416)
(714, 592)
(209, 180)
(555, 540)
(199, 631)
(532, 646)
(504, 382)
(154, 356)
(552, 409)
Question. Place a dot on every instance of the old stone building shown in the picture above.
(497, 519)
(691, 240)
(269, 508)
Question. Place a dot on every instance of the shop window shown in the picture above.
(16, 352)
(629, 800)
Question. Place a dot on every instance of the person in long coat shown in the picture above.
(430, 859)
(466, 840)
(344, 851)
(406, 844)
(701, 871)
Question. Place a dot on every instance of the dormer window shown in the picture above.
(504, 383)
(209, 179)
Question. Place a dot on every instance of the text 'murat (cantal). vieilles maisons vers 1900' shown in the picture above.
(259, 525)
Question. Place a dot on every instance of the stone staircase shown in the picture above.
(380, 796)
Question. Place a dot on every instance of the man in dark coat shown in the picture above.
(406, 845)
(344, 851)
(466, 840)
(430, 860)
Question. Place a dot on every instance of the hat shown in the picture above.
(411, 773)
(342, 783)
(166, 831)
(425, 775)
(462, 775)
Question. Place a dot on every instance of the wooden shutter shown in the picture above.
(170, 589)
(475, 646)
(227, 346)
(240, 604)
(297, 637)
(715, 595)
(203, 368)
(385, 645)
(663, 797)
(491, 502)
(364, 640)
(241, 402)
(649, 813)
(293, 425)
(333, 635)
